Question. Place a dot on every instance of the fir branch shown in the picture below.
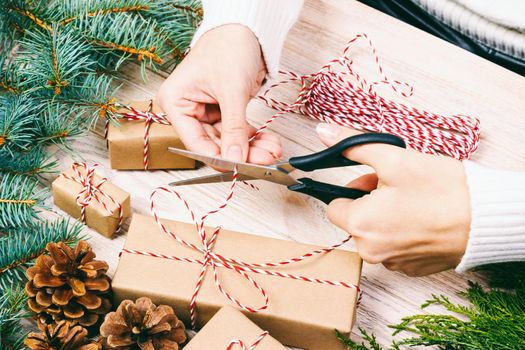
(93, 96)
(32, 11)
(53, 59)
(16, 123)
(21, 246)
(12, 311)
(124, 36)
(19, 201)
(58, 124)
(9, 78)
(178, 19)
(66, 12)
(33, 163)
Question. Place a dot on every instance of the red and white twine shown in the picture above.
(243, 346)
(214, 260)
(91, 191)
(330, 96)
(148, 117)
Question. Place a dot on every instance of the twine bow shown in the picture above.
(91, 191)
(243, 346)
(148, 117)
(329, 96)
(214, 260)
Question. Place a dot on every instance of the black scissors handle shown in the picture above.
(331, 158)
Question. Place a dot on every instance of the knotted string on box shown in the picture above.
(91, 191)
(243, 346)
(149, 117)
(214, 260)
(330, 96)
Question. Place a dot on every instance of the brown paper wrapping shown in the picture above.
(126, 144)
(65, 194)
(300, 313)
(229, 324)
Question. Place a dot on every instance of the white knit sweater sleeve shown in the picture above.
(497, 232)
(269, 20)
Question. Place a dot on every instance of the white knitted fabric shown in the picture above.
(496, 24)
(497, 230)
(508, 13)
(269, 20)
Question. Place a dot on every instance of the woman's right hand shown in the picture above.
(207, 94)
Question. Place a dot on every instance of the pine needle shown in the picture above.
(12, 311)
(20, 201)
(19, 247)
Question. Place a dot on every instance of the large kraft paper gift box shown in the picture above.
(301, 314)
(227, 325)
(126, 143)
(65, 192)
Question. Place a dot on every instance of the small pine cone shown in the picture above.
(142, 325)
(61, 336)
(68, 285)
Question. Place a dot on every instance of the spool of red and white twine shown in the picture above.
(330, 96)
(91, 191)
(243, 346)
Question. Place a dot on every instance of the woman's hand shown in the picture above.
(206, 96)
(416, 218)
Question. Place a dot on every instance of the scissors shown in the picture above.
(280, 173)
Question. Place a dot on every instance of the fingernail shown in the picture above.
(234, 153)
(327, 130)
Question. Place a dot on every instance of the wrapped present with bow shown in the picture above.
(98, 203)
(298, 293)
(229, 329)
(140, 137)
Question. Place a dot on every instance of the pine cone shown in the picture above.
(68, 285)
(142, 325)
(61, 337)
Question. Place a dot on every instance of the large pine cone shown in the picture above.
(61, 336)
(142, 325)
(68, 285)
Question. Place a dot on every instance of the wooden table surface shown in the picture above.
(446, 79)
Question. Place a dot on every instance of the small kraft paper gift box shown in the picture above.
(91, 198)
(140, 138)
(300, 304)
(230, 329)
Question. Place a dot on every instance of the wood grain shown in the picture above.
(446, 79)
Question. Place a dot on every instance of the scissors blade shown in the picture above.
(278, 173)
(213, 178)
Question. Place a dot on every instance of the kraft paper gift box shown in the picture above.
(301, 314)
(65, 192)
(230, 324)
(126, 143)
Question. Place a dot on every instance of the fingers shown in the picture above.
(366, 182)
(190, 130)
(340, 213)
(377, 155)
(234, 136)
(265, 149)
